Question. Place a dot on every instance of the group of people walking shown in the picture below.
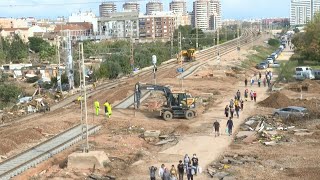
(188, 167)
(265, 81)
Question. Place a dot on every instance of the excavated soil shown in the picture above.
(308, 85)
(276, 100)
(279, 100)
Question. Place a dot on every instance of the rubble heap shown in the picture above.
(219, 169)
(265, 129)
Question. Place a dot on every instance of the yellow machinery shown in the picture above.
(178, 105)
(186, 55)
(191, 54)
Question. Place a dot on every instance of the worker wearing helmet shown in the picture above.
(97, 107)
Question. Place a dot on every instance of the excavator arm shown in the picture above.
(141, 86)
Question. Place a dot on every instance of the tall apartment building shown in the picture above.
(207, 14)
(178, 7)
(315, 6)
(302, 11)
(119, 25)
(107, 7)
(131, 7)
(159, 25)
(153, 6)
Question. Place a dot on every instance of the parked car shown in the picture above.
(269, 60)
(262, 65)
(275, 55)
(291, 111)
(304, 72)
(274, 65)
(316, 74)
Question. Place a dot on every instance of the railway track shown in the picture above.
(203, 57)
(30, 158)
(33, 156)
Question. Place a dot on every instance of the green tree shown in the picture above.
(308, 43)
(35, 43)
(274, 42)
(9, 93)
(45, 50)
(18, 50)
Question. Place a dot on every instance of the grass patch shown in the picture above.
(262, 54)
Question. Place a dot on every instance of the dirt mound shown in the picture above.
(277, 100)
(182, 128)
(306, 85)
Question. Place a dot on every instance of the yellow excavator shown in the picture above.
(186, 56)
(178, 105)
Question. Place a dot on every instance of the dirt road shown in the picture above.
(204, 144)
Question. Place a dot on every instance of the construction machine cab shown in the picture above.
(178, 104)
(191, 54)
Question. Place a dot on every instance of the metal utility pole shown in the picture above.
(132, 54)
(84, 92)
(179, 42)
(171, 48)
(58, 57)
(197, 38)
(218, 42)
(69, 63)
(251, 35)
(238, 38)
(132, 48)
(181, 60)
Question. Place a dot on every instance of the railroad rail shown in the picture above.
(33, 156)
(203, 58)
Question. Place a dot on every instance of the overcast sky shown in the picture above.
(231, 9)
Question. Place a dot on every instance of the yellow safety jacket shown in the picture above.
(108, 106)
(97, 104)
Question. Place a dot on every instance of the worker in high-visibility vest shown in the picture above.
(97, 107)
(80, 99)
(107, 109)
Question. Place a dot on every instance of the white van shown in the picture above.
(303, 72)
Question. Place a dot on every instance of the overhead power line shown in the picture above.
(65, 3)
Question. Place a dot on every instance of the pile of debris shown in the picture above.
(154, 137)
(265, 129)
(220, 168)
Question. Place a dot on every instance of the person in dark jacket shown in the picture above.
(195, 163)
(190, 171)
(226, 111)
(152, 170)
(216, 126)
(180, 167)
(230, 126)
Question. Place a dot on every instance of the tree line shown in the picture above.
(307, 43)
(116, 55)
(14, 49)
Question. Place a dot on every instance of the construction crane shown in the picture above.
(178, 105)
